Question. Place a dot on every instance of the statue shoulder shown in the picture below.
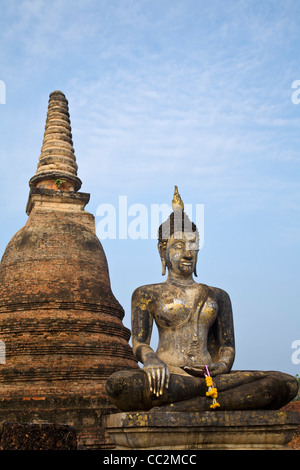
(220, 295)
(223, 300)
(148, 292)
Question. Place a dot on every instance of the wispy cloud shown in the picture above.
(185, 93)
(168, 92)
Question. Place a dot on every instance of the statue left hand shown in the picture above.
(214, 369)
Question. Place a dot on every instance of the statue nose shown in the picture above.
(188, 254)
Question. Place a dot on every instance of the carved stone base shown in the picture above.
(261, 429)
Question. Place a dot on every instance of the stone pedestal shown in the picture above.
(240, 430)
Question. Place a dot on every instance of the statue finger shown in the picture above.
(162, 381)
(199, 367)
(153, 373)
(157, 383)
(149, 376)
(167, 379)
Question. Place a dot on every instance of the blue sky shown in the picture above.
(186, 92)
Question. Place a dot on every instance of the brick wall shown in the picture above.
(59, 320)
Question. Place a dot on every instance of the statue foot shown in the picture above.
(194, 404)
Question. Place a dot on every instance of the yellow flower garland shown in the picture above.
(212, 391)
(215, 405)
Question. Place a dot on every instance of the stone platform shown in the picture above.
(240, 430)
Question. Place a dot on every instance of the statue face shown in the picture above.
(181, 253)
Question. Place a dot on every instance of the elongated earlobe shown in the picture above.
(161, 249)
(163, 265)
(195, 272)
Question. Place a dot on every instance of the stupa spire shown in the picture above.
(57, 167)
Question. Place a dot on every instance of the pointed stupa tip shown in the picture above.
(57, 167)
(177, 203)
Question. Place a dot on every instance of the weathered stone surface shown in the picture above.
(30, 436)
(83, 413)
(262, 429)
(294, 406)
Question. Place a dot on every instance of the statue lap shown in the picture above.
(237, 390)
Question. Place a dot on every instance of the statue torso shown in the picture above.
(183, 316)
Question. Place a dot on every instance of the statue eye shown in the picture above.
(193, 247)
(179, 245)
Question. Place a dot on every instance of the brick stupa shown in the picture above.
(60, 322)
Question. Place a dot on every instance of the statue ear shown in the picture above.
(163, 265)
(195, 270)
(161, 249)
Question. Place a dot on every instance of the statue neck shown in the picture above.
(179, 280)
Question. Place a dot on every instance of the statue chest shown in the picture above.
(175, 313)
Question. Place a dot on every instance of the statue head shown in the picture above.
(178, 241)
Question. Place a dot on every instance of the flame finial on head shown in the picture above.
(177, 203)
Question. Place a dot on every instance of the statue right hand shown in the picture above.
(158, 374)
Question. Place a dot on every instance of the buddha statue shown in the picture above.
(196, 340)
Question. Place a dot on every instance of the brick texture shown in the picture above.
(60, 322)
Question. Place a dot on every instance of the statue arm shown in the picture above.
(224, 335)
(141, 325)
